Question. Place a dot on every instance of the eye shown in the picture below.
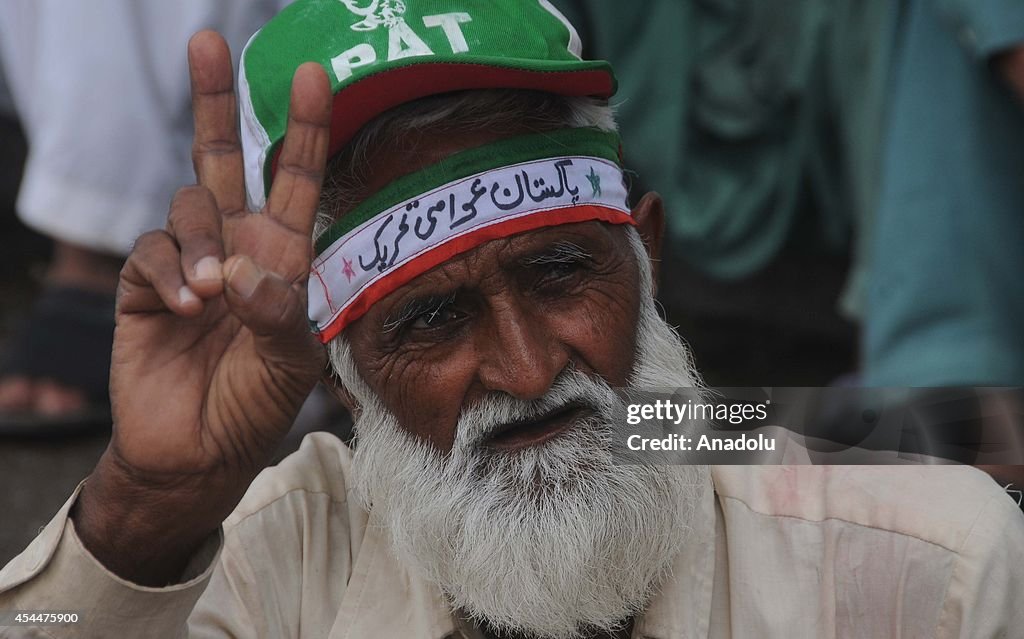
(557, 276)
(425, 316)
(562, 269)
(440, 317)
(559, 267)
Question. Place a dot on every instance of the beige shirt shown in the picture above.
(777, 551)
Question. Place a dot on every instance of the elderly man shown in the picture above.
(481, 287)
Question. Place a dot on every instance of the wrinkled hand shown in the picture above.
(213, 355)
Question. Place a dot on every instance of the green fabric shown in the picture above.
(525, 148)
(859, 59)
(982, 27)
(731, 109)
(710, 111)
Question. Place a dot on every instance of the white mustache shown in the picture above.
(497, 411)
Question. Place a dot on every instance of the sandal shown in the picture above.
(66, 338)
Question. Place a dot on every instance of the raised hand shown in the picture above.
(213, 355)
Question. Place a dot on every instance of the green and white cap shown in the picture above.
(383, 53)
(380, 54)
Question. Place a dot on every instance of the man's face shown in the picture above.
(507, 317)
(535, 530)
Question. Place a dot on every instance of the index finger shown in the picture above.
(216, 150)
(295, 193)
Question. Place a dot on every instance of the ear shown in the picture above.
(336, 388)
(649, 215)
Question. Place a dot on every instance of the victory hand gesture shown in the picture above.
(213, 354)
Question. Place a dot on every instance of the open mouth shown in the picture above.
(516, 435)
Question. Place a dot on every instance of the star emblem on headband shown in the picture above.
(595, 182)
(348, 271)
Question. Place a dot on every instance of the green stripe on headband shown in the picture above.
(526, 148)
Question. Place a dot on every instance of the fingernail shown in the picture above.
(186, 296)
(244, 278)
(208, 268)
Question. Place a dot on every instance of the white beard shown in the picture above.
(555, 540)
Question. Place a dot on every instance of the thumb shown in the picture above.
(275, 312)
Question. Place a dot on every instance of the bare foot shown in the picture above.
(73, 267)
(45, 397)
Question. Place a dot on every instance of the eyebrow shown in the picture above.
(561, 252)
(416, 307)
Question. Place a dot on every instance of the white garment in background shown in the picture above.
(102, 91)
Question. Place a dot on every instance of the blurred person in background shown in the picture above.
(757, 168)
(102, 96)
(942, 302)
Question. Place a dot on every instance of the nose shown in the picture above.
(520, 353)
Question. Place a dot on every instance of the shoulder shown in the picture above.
(941, 505)
(294, 537)
(893, 547)
(320, 468)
